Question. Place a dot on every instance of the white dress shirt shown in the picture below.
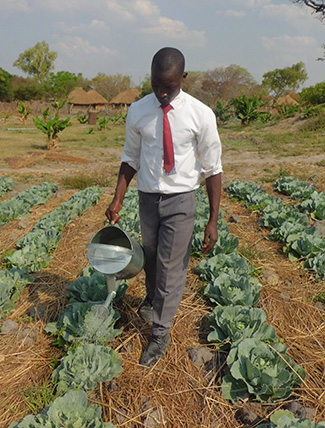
(197, 146)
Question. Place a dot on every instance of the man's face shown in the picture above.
(166, 84)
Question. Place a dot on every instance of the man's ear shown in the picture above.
(185, 75)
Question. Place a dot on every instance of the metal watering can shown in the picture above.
(113, 253)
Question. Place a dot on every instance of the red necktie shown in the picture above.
(169, 161)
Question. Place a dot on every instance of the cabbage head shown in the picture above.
(68, 411)
(86, 366)
(286, 419)
(260, 370)
(230, 324)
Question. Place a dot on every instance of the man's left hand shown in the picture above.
(210, 237)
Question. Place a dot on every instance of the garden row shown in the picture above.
(35, 250)
(302, 241)
(258, 365)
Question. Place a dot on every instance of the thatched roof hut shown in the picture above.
(81, 100)
(288, 100)
(124, 99)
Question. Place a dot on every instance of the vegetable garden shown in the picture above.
(247, 344)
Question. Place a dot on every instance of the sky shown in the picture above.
(121, 36)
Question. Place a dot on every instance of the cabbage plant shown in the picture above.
(69, 411)
(230, 324)
(78, 323)
(86, 366)
(286, 419)
(233, 289)
(260, 370)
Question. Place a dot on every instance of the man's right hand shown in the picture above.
(112, 212)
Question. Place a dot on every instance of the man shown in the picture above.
(168, 170)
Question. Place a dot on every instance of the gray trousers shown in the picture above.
(167, 223)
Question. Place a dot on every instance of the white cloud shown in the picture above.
(15, 6)
(120, 10)
(176, 30)
(286, 43)
(79, 47)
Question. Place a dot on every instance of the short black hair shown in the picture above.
(167, 58)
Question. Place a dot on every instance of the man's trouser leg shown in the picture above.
(167, 223)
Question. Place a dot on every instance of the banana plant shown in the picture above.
(247, 109)
(51, 128)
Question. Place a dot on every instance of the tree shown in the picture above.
(226, 83)
(110, 86)
(26, 89)
(317, 6)
(280, 80)
(37, 61)
(59, 85)
(5, 85)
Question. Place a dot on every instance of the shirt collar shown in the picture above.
(176, 103)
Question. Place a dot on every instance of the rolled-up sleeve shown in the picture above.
(132, 146)
(209, 146)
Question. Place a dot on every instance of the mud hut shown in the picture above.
(81, 101)
(124, 99)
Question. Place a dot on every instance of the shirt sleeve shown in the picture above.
(209, 145)
(132, 146)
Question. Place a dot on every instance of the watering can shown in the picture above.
(118, 256)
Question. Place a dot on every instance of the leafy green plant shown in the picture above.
(260, 370)
(6, 185)
(78, 323)
(23, 202)
(82, 118)
(37, 397)
(51, 128)
(5, 116)
(222, 112)
(24, 110)
(103, 123)
(12, 282)
(287, 111)
(86, 366)
(233, 289)
(233, 323)
(71, 410)
(247, 109)
(286, 419)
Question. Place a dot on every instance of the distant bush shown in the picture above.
(314, 94)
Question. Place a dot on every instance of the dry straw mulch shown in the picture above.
(175, 392)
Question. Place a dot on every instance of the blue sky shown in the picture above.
(120, 36)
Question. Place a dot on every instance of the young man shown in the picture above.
(171, 141)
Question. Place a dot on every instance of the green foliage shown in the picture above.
(78, 323)
(287, 111)
(260, 370)
(12, 282)
(51, 128)
(110, 85)
(82, 118)
(247, 109)
(103, 123)
(71, 411)
(222, 112)
(289, 78)
(37, 61)
(311, 111)
(6, 184)
(313, 94)
(23, 202)
(59, 85)
(5, 85)
(35, 248)
(294, 187)
(286, 419)
(86, 366)
(24, 111)
(92, 288)
(233, 323)
(233, 289)
(37, 397)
